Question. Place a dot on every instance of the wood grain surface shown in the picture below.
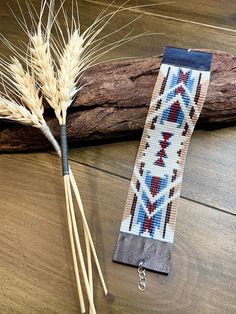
(37, 274)
(36, 270)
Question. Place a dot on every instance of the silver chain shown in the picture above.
(142, 276)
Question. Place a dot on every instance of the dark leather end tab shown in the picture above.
(131, 250)
(193, 59)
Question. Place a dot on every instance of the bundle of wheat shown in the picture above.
(51, 66)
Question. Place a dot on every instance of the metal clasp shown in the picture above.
(142, 277)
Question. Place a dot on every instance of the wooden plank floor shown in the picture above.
(36, 271)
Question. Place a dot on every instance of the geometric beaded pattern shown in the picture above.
(154, 192)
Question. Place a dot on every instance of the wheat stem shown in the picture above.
(66, 172)
(70, 227)
(79, 201)
(77, 241)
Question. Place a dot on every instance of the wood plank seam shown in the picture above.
(166, 17)
(128, 179)
(93, 167)
(209, 206)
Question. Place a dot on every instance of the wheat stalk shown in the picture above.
(44, 69)
(42, 64)
(70, 66)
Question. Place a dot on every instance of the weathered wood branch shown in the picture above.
(115, 103)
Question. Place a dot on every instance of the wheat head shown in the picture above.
(24, 84)
(10, 110)
(70, 67)
(42, 64)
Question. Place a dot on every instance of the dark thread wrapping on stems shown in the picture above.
(64, 150)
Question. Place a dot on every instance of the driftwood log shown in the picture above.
(115, 103)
